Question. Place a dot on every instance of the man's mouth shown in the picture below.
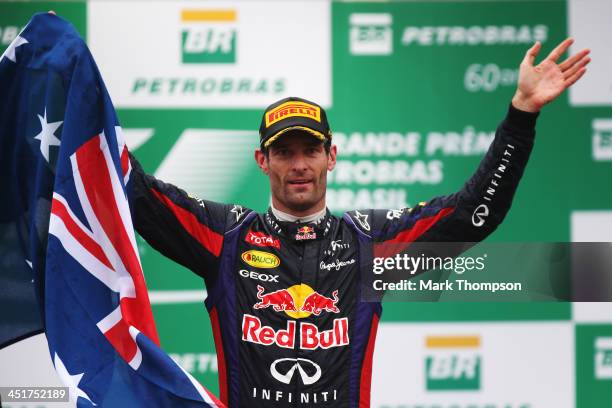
(300, 182)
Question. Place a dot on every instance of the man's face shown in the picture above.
(297, 165)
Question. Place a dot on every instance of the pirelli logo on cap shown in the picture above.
(291, 109)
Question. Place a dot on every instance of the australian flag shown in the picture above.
(68, 257)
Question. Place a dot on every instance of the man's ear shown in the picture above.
(260, 159)
(331, 157)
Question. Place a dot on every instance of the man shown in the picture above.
(284, 286)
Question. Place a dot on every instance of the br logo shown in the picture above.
(371, 34)
(208, 36)
(452, 363)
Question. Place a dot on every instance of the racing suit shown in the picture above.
(284, 298)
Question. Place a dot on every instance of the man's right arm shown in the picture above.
(187, 230)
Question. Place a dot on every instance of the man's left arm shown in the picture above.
(476, 210)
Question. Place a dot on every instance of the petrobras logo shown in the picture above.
(428, 36)
(309, 337)
(183, 55)
(371, 34)
(452, 363)
(602, 139)
(262, 240)
(603, 358)
(260, 259)
(292, 109)
(297, 301)
(208, 36)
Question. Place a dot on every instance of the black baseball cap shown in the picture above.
(293, 114)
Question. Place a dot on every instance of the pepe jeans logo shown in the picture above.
(208, 36)
(284, 370)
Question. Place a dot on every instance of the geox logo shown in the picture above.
(208, 36)
(452, 363)
(291, 109)
(371, 34)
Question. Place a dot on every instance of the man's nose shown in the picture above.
(299, 162)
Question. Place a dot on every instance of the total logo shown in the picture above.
(297, 301)
(260, 259)
(371, 34)
(262, 240)
(452, 363)
(208, 36)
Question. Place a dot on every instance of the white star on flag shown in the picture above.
(10, 51)
(47, 135)
(70, 381)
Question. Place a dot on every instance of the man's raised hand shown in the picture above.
(543, 83)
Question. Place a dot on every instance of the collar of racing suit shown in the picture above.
(297, 230)
(283, 216)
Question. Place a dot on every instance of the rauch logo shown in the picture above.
(208, 36)
(452, 363)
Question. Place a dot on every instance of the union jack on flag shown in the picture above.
(68, 244)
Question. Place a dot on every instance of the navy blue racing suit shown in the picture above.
(284, 298)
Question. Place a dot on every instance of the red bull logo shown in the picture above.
(315, 303)
(305, 232)
(297, 301)
(309, 335)
(280, 300)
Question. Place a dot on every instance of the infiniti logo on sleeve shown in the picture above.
(480, 214)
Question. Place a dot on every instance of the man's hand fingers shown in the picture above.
(559, 50)
(582, 63)
(531, 54)
(572, 80)
(568, 63)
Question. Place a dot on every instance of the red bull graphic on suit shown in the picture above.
(297, 301)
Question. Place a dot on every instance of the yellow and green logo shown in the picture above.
(208, 36)
(260, 259)
(452, 363)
